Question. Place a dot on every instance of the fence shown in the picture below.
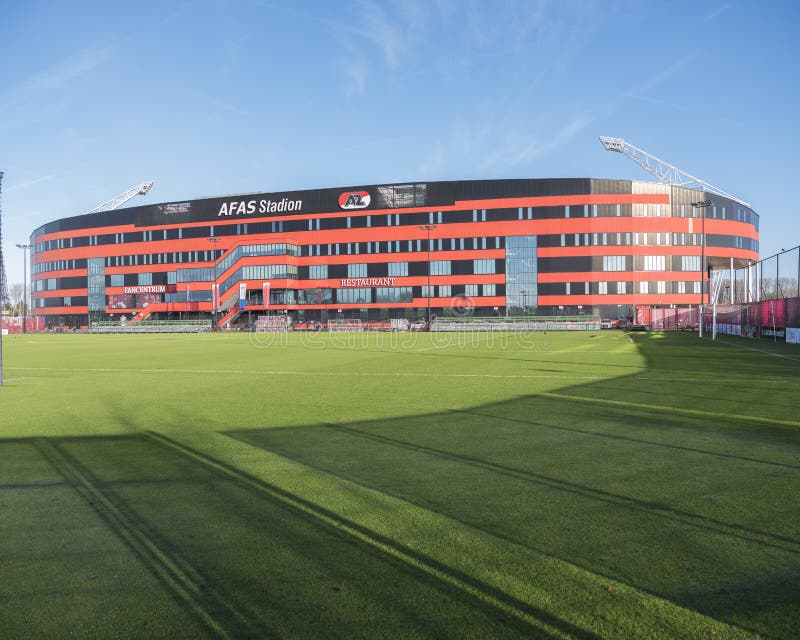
(14, 324)
(658, 319)
(152, 326)
(773, 278)
(775, 319)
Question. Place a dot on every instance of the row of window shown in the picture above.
(650, 239)
(406, 294)
(395, 269)
(400, 269)
(398, 246)
(345, 248)
(605, 288)
(393, 219)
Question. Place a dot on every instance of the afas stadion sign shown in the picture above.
(347, 200)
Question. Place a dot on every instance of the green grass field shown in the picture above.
(399, 486)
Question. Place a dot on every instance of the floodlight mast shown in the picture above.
(117, 201)
(664, 171)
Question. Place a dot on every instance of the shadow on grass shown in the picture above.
(238, 557)
(698, 509)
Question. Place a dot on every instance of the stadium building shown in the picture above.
(486, 247)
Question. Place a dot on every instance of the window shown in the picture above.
(445, 291)
(681, 287)
(356, 270)
(567, 288)
(353, 296)
(622, 287)
(690, 263)
(643, 287)
(697, 287)
(471, 290)
(613, 263)
(489, 289)
(655, 263)
(602, 288)
(145, 279)
(397, 269)
(393, 294)
(587, 288)
(661, 286)
(440, 267)
(117, 280)
(483, 266)
(427, 292)
(318, 271)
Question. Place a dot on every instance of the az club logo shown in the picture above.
(354, 200)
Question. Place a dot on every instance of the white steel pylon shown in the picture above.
(117, 201)
(664, 171)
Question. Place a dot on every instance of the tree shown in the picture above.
(16, 295)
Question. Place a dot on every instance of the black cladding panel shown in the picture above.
(246, 207)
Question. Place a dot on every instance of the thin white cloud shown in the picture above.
(379, 38)
(28, 183)
(518, 143)
(715, 13)
(219, 104)
(56, 77)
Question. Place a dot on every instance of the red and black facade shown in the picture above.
(488, 247)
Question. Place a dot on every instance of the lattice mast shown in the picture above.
(3, 280)
(664, 171)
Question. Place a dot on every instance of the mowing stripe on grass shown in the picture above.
(533, 620)
(398, 374)
(176, 573)
(765, 538)
(666, 409)
(612, 436)
(767, 353)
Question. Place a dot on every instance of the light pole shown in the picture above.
(24, 248)
(213, 240)
(702, 204)
(524, 294)
(428, 228)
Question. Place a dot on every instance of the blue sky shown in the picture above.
(210, 98)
